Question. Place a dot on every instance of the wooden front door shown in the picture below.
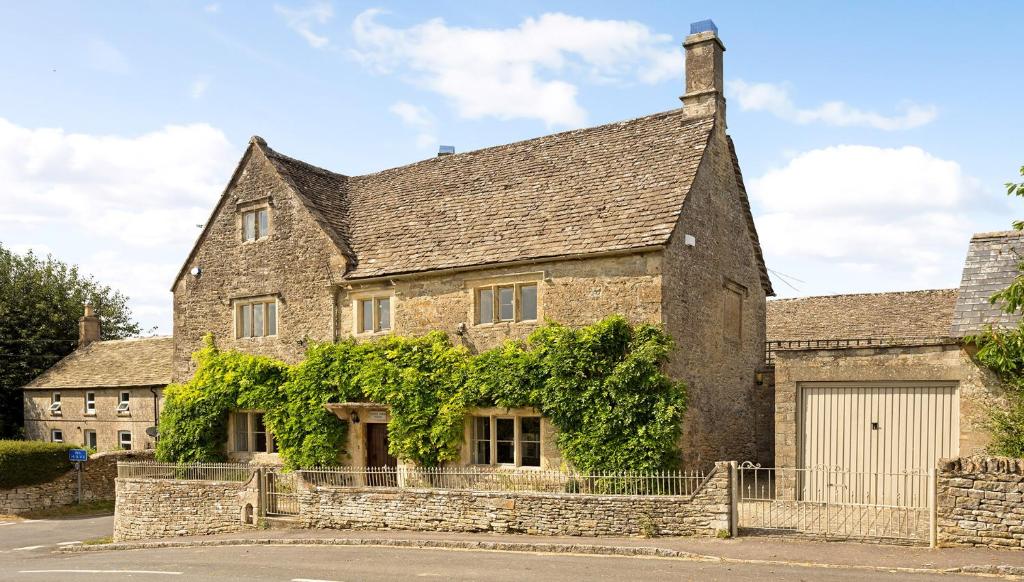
(380, 464)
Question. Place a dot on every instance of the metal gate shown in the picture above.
(280, 492)
(832, 502)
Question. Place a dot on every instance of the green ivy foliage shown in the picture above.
(602, 386)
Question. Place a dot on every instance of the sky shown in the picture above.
(874, 137)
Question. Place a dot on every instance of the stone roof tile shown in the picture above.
(991, 265)
(127, 362)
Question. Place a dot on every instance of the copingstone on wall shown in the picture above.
(979, 502)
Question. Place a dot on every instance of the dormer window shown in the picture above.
(255, 224)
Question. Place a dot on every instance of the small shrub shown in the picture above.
(723, 534)
(32, 462)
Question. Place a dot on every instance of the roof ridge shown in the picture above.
(997, 234)
(872, 293)
(132, 339)
(284, 157)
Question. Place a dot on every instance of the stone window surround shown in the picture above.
(731, 286)
(355, 300)
(474, 285)
(249, 413)
(494, 414)
(236, 320)
(242, 208)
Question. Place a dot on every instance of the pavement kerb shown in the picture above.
(1000, 571)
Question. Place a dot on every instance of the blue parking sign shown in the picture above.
(78, 455)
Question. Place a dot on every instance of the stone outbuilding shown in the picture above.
(883, 382)
(105, 395)
(647, 218)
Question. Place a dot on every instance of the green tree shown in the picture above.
(41, 301)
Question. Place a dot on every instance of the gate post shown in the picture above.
(933, 530)
(734, 497)
(261, 491)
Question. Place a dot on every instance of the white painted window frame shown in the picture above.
(124, 403)
(121, 441)
(55, 404)
(90, 403)
(85, 439)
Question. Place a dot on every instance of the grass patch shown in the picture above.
(98, 541)
(10, 517)
(85, 509)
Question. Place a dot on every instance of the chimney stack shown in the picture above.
(88, 327)
(704, 85)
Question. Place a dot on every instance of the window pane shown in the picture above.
(240, 423)
(366, 317)
(485, 306)
(126, 440)
(246, 320)
(260, 433)
(125, 396)
(272, 318)
(506, 310)
(482, 440)
(529, 436)
(384, 312)
(506, 445)
(248, 225)
(527, 302)
(56, 397)
(264, 224)
(257, 320)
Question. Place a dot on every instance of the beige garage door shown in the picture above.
(878, 428)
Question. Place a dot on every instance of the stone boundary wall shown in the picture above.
(98, 476)
(979, 502)
(705, 513)
(162, 508)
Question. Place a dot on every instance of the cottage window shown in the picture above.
(55, 404)
(124, 439)
(90, 403)
(373, 314)
(515, 441)
(249, 433)
(255, 224)
(516, 302)
(256, 318)
(124, 402)
(57, 435)
(89, 439)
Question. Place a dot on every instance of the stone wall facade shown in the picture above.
(156, 508)
(977, 388)
(73, 421)
(723, 420)
(162, 508)
(980, 502)
(98, 476)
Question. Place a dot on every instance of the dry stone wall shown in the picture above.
(979, 502)
(703, 514)
(162, 508)
(98, 475)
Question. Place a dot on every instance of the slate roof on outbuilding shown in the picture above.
(112, 363)
(991, 265)
(613, 187)
(894, 316)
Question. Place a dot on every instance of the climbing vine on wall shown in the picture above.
(602, 386)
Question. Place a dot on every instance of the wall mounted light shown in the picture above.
(759, 378)
(354, 417)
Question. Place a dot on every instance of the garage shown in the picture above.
(886, 428)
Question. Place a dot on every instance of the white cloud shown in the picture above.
(302, 21)
(420, 118)
(197, 90)
(124, 208)
(776, 100)
(518, 72)
(855, 218)
(212, 8)
(105, 57)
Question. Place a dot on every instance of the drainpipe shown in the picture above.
(156, 412)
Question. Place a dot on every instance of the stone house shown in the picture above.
(105, 395)
(647, 218)
(883, 382)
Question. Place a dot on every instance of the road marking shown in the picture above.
(27, 548)
(69, 543)
(98, 572)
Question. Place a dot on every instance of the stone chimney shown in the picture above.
(88, 327)
(704, 85)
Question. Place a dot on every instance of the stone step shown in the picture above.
(282, 522)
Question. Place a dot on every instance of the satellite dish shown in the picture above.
(196, 271)
(151, 431)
